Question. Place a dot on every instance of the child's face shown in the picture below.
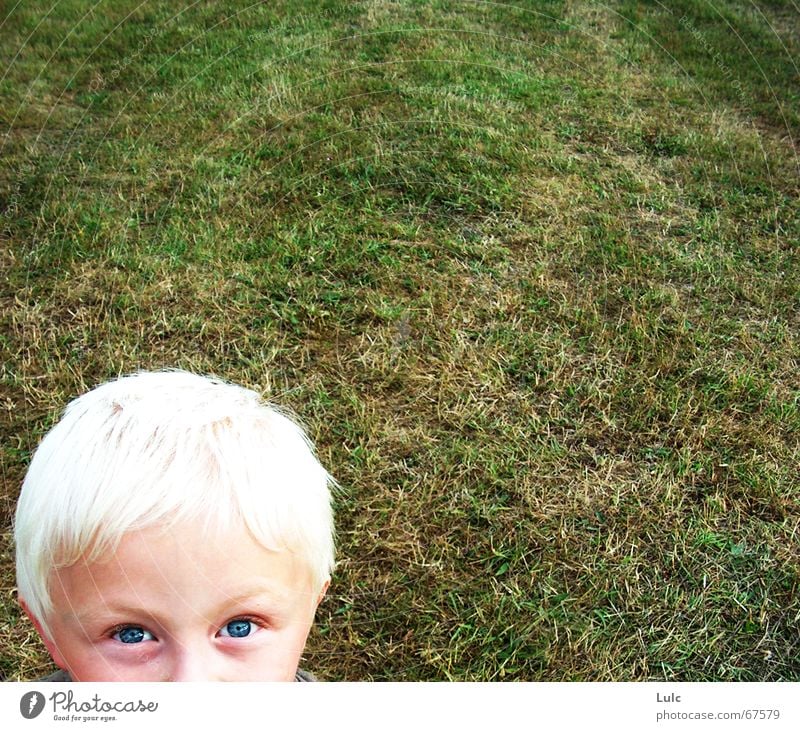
(183, 605)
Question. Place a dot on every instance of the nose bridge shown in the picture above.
(193, 660)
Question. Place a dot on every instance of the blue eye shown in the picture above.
(132, 635)
(237, 628)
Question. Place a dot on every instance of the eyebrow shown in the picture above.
(273, 598)
(131, 613)
(276, 601)
(84, 617)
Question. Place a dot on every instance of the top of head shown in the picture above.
(160, 448)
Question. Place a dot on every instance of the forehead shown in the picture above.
(185, 566)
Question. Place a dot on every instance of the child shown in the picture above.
(174, 527)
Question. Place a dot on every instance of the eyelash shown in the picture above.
(260, 623)
(120, 627)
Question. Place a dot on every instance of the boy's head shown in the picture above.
(173, 526)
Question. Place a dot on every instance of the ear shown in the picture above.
(51, 646)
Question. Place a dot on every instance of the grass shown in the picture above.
(529, 274)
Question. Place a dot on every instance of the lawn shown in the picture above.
(528, 273)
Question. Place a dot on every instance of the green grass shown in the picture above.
(529, 274)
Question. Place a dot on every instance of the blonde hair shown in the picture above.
(158, 448)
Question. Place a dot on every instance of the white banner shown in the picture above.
(382, 706)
